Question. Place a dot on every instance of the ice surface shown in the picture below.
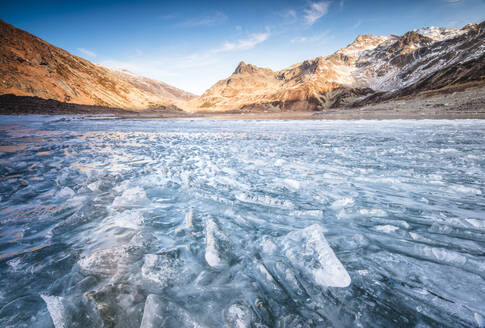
(309, 251)
(107, 262)
(167, 269)
(293, 184)
(386, 228)
(160, 312)
(66, 312)
(66, 192)
(343, 202)
(217, 245)
(128, 219)
(239, 315)
(133, 197)
(133, 223)
(160, 269)
(56, 310)
(189, 219)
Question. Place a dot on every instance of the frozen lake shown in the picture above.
(139, 223)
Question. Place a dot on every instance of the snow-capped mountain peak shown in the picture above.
(440, 33)
(371, 67)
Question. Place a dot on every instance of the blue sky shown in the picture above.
(192, 44)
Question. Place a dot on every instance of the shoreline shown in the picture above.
(315, 116)
(463, 104)
(305, 116)
(295, 116)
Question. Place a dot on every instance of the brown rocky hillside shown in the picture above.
(29, 66)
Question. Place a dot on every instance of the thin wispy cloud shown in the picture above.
(243, 44)
(210, 19)
(196, 60)
(311, 38)
(315, 11)
(300, 39)
(453, 23)
(289, 16)
(167, 16)
(210, 57)
(286, 16)
(87, 53)
(290, 13)
(157, 66)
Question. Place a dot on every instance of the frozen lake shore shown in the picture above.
(148, 223)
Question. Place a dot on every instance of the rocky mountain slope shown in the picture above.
(370, 70)
(30, 66)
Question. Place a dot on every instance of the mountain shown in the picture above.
(29, 66)
(369, 70)
(155, 87)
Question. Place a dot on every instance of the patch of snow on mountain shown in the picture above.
(440, 33)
